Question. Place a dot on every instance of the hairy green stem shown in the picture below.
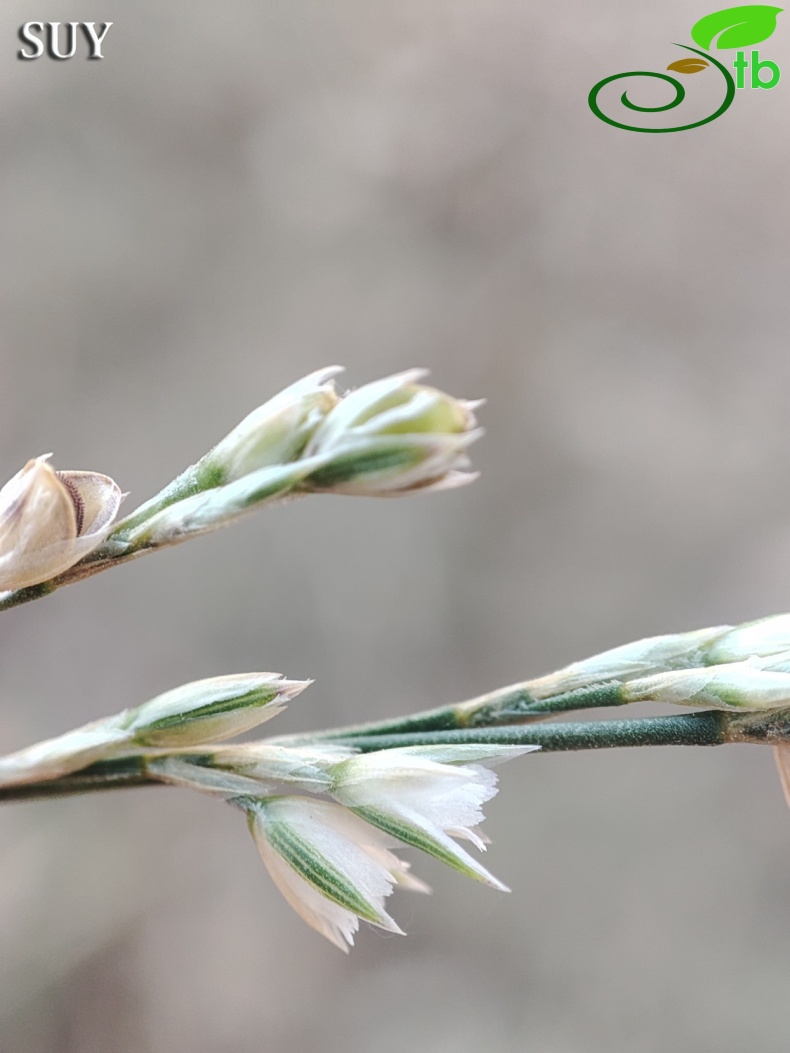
(507, 706)
(17, 597)
(694, 729)
(710, 728)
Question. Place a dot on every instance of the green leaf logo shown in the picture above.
(736, 27)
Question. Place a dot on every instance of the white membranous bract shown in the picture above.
(51, 520)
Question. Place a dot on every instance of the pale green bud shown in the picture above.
(206, 511)
(639, 659)
(275, 433)
(197, 714)
(50, 520)
(764, 637)
(67, 753)
(210, 710)
(736, 685)
(259, 459)
(392, 437)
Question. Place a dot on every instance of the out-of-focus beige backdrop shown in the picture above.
(242, 192)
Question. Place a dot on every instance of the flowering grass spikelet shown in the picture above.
(211, 710)
(391, 437)
(274, 433)
(762, 638)
(748, 685)
(196, 714)
(331, 867)
(394, 437)
(425, 796)
(50, 520)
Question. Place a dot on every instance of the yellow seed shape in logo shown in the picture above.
(688, 65)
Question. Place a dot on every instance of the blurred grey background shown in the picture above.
(241, 193)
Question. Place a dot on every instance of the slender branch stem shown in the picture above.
(93, 564)
(16, 597)
(710, 728)
(506, 706)
(116, 549)
(694, 729)
(106, 775)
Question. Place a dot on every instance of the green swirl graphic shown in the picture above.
(680, 94)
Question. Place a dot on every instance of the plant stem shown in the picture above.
(93, 564)
(694, 729)
(710, 728)
(506, 706)
(105, 775)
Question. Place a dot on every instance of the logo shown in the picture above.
(727, 30)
